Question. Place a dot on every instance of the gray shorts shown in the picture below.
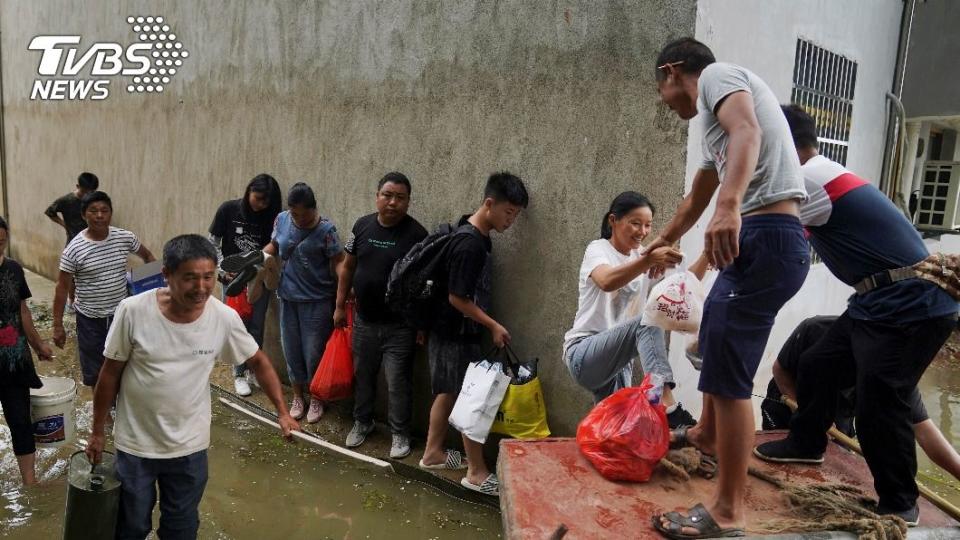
(449, 359)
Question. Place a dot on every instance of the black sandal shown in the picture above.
(236, 286)
(697, 518)
(678, 438)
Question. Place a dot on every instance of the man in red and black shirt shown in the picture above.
(892, 328)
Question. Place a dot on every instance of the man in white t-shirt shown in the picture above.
(158, 356)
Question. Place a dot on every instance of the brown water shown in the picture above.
(940, 388)
(263, 487)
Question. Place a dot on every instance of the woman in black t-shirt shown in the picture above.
(17, 374)
(242, 225)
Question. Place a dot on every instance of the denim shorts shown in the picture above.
(743, 303)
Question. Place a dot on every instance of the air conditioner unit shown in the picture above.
(938, 196)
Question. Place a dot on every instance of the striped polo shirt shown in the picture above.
(99, 270)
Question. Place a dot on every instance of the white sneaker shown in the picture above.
(400, 447)
(252, 379)
(315, 412)
(241, 386)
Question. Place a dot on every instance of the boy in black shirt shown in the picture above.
(380, 336)
(70, 215)
(68, 206)
(454, 340)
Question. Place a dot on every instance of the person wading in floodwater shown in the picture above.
(158, 355)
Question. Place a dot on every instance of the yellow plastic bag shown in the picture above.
(522, 414)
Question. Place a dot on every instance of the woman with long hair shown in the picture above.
(242, 225)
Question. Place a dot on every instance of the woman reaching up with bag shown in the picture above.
(601, 347)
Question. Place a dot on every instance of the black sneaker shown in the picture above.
(911, 516)
(680, 417)
(785, 451)
(240, 261)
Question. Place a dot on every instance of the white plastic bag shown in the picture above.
(676, 303)
(480, 396)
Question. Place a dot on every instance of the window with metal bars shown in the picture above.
(823, 84)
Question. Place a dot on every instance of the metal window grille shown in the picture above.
(823, 84)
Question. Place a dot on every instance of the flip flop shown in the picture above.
(236, 286)
(697, 518)
(455, 462)
(678, 438)
(490, 485)
(239, 261)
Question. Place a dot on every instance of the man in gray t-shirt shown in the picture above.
(754, 237)
(777, 176)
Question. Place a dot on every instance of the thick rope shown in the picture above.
(817, 507)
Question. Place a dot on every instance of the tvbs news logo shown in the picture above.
(145, 66)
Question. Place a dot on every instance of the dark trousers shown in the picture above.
(884, 361)
(181, 482)
(15, 401)
(91, 337)
(390, 345)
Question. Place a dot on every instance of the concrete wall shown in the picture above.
(336, 94)
(762, 36)
(932, 82)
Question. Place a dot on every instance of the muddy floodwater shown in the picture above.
(263, 487)
(940, 388)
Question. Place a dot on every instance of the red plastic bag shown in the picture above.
(625, 436)
(241, 305)
(334, 377)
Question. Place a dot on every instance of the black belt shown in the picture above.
(882, 279)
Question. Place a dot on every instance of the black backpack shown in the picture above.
(417, 285)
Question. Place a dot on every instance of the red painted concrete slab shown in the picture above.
(547, 483)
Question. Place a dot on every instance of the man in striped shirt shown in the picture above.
(96, 262)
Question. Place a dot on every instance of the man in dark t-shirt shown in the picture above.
(380, 336)
(65, 211)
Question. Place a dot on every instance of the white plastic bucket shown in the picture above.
(52, 412)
